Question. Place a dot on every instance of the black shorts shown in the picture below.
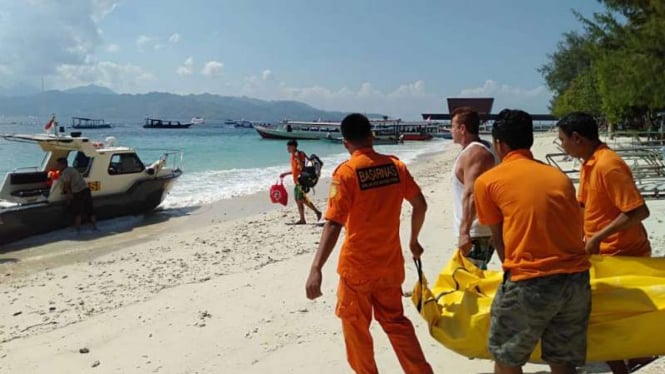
(82, 203)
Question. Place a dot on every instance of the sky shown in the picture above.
(397, 57)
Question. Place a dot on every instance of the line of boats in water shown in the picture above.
(83, 123)
(386, 131)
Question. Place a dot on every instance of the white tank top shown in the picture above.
(477, 230)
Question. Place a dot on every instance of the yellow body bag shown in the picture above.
(627, 313)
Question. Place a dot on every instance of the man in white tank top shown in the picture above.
(475, 158)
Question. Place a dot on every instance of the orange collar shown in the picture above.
(592, 160)
(519, 154)
(363, 151)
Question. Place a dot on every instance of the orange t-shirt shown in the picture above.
(366, 195)
(607, 189)
(542, 222)
(298, 159)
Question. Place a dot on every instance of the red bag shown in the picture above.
(278, 194)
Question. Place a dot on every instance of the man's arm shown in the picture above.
(326, 245)
(284, 174)
(417, 220)
(475, 162)
(497, 239)
(621, 222)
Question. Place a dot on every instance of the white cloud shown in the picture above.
(120, 77)
(37, 36)
(101, 8)
(268, 75)
(212, 68)
(174, 38)
(144, 41)
(112, 48)
(186, 68)
(493, 88)
(533, 100)
(405, 101)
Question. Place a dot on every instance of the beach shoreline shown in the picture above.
(216, 289)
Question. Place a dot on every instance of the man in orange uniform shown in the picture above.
(298, 160)
(613, 206)
(366, 195)
(536, 227)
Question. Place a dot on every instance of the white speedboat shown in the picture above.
(31, 199)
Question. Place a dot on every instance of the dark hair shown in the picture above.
(292, 142)
(62, 160)
(356, 127)
(468, 117)
(581, 123)
(515, 128)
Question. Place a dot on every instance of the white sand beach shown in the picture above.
(214, 290)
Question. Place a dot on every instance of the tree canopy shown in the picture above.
(615, 67)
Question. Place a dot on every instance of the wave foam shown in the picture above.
(198, 188)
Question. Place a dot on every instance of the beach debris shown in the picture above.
(51, 309)
(95, 364)
(303, 310)
(202, 317)
(84, 350)
(18, 313)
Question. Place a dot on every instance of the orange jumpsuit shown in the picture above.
(366, 196)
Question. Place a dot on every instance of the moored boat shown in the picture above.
(32, 200)
(299, 130)
(153, 123)
(89, 123)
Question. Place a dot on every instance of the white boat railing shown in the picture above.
(172, 158)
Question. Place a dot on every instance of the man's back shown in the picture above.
(73, 177)
(366, 196)
(542, 223)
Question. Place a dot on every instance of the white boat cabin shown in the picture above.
(108, 169)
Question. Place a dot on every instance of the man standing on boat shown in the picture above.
(78, 194)
(366, 195)
(536, 227)
(613, 206)
(298, 160)
(475, 158)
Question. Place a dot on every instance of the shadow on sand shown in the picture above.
(106, 228)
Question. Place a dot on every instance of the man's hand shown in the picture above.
(416, 249)
(464, 243)
(313, 285)
(592, 245)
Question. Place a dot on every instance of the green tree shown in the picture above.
(615, 67)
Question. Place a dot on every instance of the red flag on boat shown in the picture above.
(49, 124)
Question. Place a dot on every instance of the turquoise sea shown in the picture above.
(219, 161)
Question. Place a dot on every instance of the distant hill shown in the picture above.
(90, 89)
(100, 102)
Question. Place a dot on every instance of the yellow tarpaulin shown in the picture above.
(627, 316)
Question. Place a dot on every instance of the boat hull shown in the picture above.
(91, 127)
(267, 133)
(183, 126)
(417, 137)
(26, 220)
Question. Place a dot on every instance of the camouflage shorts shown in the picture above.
(481, 252)
(553, 308)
